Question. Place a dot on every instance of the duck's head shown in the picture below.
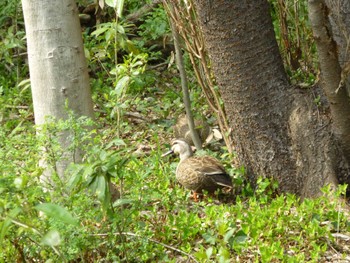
(181, 148)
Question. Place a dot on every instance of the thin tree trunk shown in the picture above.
(58, 69)
(184, 85)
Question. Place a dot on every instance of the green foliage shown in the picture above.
(97, 172)
(155, 25)
(118, 5)
(130, 75)
(107, 39)
(154, 219)
(295, 39)
(12, 44)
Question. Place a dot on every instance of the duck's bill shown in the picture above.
(167, 153)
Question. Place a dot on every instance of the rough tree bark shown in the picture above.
(58, 69)
(330, 52)
(338, 26)
(277, 129)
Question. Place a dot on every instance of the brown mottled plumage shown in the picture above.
(199, 173)
(182, 131)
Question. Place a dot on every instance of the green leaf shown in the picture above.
(120, 7)
(111, 3)
(209, 238)
(7, 222)
(99, 31)
(76, 175)
(240, 237)
(89, 170)
(228, 235)
(118, 4)
(116, 142)
(101, 186)
(121, 85)
(209, 252)
(52, 238)
(24, 83)
(131, 47)
(103, 155)
(57, 212)
(201, 255)
(121, 202)
(120, 29)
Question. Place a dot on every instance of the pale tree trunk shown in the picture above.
(58, 68)
(277, 129)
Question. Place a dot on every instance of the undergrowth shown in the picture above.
(154, 219)
(122, 202)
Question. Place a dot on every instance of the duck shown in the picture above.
(199, 173)
(182, 131)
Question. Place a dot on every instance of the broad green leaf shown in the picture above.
(52, 238)
(121, 85)
(101, 185)
(99, 31)
(240, 237)
(89, 170)
(76, 174)
(120, 29)
(57, 212)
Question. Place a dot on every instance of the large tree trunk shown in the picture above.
(58, 69)
(277, 129)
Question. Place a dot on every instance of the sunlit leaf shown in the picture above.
(121, 202)
(121, 85)
(101, 3)
(120, 7)
(111, 3)
(99, 31)
(209, 252)
(52, 238)
(228, 235)
(57, 212)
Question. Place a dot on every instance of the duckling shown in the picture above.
(199, 173)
